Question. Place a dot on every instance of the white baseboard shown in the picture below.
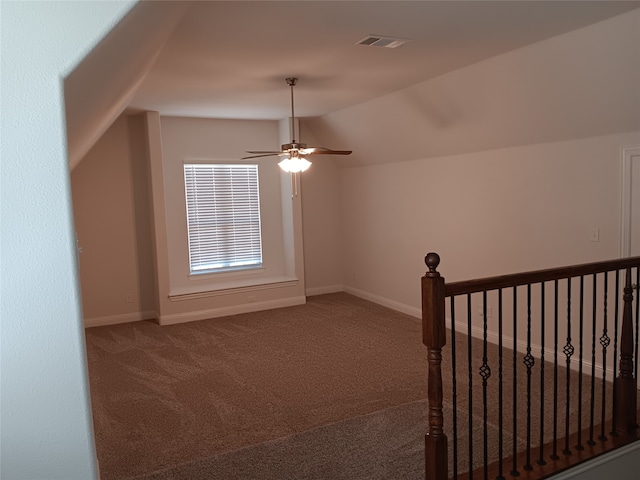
(477, 332)
(310, 292)
(232, 310)
(120, 318)
(385, 302)
(536, 350)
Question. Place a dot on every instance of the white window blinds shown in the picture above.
(223, 216)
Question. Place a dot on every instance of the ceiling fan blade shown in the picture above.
(324, 151)
(295, 149)
(264, 154)
(270, 152)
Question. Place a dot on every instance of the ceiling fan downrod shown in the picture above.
(295, 150)
(291, 81)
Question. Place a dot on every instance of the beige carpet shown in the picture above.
(378, 446)
(332, 389)
(168, 395)
(384, 445)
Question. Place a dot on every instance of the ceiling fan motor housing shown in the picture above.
(293, 146)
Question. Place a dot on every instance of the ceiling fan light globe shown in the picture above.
(304, 164)
(294, 165)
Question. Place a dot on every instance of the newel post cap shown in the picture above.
(432, 260)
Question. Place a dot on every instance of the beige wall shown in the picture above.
(321, 207)
(577, 85)
(113, 217)
(193, 140)
(184, 297)
(366, 229)
(485, 213)
(111, 214)
(504, 165)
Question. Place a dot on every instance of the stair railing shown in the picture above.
(618, 420)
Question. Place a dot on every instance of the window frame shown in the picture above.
(249, 257)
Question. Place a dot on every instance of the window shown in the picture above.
(223, 217)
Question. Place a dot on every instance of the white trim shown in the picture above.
(581, 470)
(120, 318)
(231, 272)
(255, 286)
(310, 292)
(385, 302)
(232, 310)
(627, 153)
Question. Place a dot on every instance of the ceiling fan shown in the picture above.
(294, 151)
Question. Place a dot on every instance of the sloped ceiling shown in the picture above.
(230, 59)
(584, 83)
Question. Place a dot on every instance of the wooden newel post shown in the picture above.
(434, 337)
(626, 412)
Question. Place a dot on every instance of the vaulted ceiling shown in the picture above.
(229, 59)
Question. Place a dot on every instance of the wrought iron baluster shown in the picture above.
(529, 362)
(554, 453)
(579, 445)
(593, 361)
(636, 287)
(485, 373)
(616, 323)
(575, 367)
(514, 470)
(470, 372)
(604, 342)
(500, 400)
(541, 460)
(568, 352)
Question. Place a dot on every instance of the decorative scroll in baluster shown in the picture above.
(604, 343)
(626, 412)
(529, 362)
(485, 373)
(568, 353)
(434, 338)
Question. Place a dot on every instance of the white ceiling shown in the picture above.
(229, 59)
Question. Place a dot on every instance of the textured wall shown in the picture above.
(46, 425)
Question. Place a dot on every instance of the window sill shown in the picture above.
(229, 272)
(229, 288)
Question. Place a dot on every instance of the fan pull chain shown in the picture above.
(294, 184)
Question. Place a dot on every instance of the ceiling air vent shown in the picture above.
(380, 41)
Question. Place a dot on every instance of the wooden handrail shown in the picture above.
(537, 276)
(434, 293)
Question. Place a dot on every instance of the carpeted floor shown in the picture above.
(163, 396)
(381, 445)
(332, 389)
(384, 445)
